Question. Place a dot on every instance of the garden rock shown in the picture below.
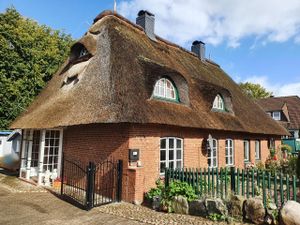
(290, 213)
(255, 210)
(180, 205)
(215, 206)
(156, 202)
(236, 205)
(197, 208)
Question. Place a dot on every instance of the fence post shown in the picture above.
(90, 185)
(119, 181)
(62, 174)
(166, 178)
(232, 177)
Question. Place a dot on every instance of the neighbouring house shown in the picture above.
(10, 142)
(124, 89)
(286, 111)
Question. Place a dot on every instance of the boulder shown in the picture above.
(236, 205)
(254, 210)
(180, 205)
(215, 206)
(197, 208)
(290, 213)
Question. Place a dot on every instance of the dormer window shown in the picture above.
(164, 88)
(83, 52)
(276, 115)
(218, 103)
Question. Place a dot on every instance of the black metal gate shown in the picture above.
(90, 185)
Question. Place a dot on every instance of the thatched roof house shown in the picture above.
(124, 88)
(285, 110)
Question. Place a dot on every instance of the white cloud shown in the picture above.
(277, 89)
(218, 21)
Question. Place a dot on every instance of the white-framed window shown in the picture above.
(171, 153)
(229, 152)
(212, 156)
(276, 115)
(164, 88)
(83, 52)
(257, 149)
(219, 103)
(51, 153)
(246, 150)
(35, 148)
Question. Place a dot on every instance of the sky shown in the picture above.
(256, 41)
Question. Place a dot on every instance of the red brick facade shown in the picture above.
(98, 142)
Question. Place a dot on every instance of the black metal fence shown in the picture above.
(88, 185)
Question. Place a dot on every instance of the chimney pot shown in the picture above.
(198, 47)
(147, 20)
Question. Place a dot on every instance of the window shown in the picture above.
(271, 143)
(219, 103)
(164, 88)
(276, 116)
(171, 153)
(212, 155)
(51, 150)
(257, 149)
(246, 151)
(83, 52)
(229, 152)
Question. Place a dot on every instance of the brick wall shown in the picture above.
(97, 142)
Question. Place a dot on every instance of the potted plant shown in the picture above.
(56, 183)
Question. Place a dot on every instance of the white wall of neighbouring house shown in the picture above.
(5, 146)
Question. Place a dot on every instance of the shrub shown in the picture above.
(177, 188)
(154, 192)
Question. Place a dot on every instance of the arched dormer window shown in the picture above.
(164, 88)
(83, 52)
(219, 103)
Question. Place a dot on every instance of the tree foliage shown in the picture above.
(255, 91)
(30, 55)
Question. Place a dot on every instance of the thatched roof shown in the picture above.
(289, 105)
(114, 84)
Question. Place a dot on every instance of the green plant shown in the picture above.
(154, 192)
(286, 148)
(177, 188)
(260, 166)
(216, 217)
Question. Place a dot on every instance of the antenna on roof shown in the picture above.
(115, 6)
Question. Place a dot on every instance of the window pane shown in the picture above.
(171, 164)
(162, 167)
(171, 143)
(163, 143)
(178, 164)
(162, 155)
(178, 143)
(171, 154)
(178, 154)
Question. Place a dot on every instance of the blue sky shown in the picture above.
(257, 41)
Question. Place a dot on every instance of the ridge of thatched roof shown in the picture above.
(115, 81)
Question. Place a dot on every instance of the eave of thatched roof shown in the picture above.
(116, 83)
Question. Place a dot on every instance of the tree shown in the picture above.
(254, 91)
(30, 55)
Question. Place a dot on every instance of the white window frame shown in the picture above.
(276, 115)
(257, 149)
(219, 103)
(164, 88)
(83, 52)
(246, 150)
(229, 152)
(167, 150)
(211, 157)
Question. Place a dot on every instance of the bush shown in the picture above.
(154, 192)
(177, 188)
